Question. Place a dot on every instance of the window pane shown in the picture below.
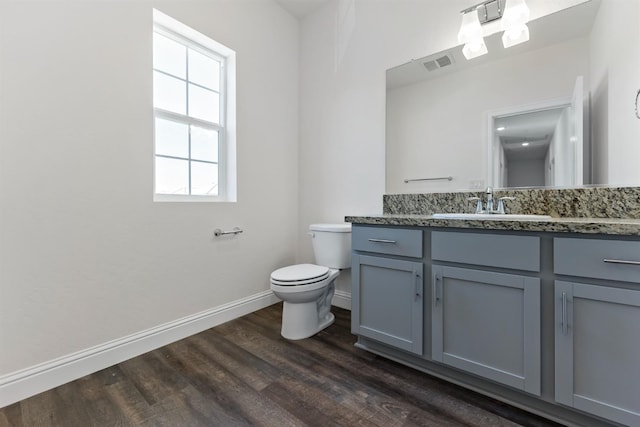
(204, 144)
(172, 176)
(203, 70)
(172, 138)
(204, 178)
(169, 56)
(204, 104)
(169, 93)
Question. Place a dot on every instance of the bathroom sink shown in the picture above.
(501, 217)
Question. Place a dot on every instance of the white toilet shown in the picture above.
(307, 289)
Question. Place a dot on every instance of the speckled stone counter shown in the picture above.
(590, 210)
(624, 227)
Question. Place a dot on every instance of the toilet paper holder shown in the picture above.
(218, 232)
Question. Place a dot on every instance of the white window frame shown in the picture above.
(170, 28)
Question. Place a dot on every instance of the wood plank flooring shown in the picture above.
(243, 373)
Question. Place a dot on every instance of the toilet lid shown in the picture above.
(300, 272)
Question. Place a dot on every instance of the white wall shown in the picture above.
(86, 256)
(526, 173)
(615, 80)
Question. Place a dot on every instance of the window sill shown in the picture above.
(189, 198)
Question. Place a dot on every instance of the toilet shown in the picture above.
(307, 289)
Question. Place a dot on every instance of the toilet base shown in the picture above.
(300, 320)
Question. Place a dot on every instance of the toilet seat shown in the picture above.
(299, 274)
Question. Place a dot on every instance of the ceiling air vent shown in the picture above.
(431, 65)
(437, 63)
(444, 61)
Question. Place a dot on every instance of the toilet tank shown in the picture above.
(332, 244)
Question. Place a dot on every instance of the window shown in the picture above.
(194, 154)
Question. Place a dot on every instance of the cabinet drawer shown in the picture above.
(491, 250)
(600, 259)
(390, 241)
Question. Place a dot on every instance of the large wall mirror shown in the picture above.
(556, 111)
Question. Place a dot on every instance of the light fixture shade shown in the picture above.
(474, 49)
(515, 35)
(516, 13)
(470, 28)
(471, 35)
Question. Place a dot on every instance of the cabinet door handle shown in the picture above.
(417, 280)
(621, 261)
(564, 314)
(382, 241)
(435, 291)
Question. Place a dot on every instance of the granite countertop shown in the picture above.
(612, 226)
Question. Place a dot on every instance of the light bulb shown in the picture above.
(474, 49)
(515, 35)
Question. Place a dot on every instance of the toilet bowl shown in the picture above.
(307, 289)
(307, 300)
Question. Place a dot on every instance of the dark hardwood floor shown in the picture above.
(244, 373)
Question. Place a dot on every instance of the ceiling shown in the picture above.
(301, 8)
(535, 128)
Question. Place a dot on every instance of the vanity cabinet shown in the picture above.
(487, 322)
(542, 316)
(597, 327)
(387, 288)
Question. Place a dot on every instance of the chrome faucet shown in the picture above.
(488, 208)
(489, 205)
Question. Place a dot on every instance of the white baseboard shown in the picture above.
(36, 379)
(342, 299)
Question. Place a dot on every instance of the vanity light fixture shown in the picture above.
(514, 23)
(514, 15)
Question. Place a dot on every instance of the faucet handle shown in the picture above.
(501, 203)
(478, 205)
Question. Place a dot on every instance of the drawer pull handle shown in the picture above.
(621, 261)
(564, 313)
(382, 241)
(436, 298)
(417, 278)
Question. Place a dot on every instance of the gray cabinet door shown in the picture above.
(488, 324)
(386, 303)
(597, 350)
